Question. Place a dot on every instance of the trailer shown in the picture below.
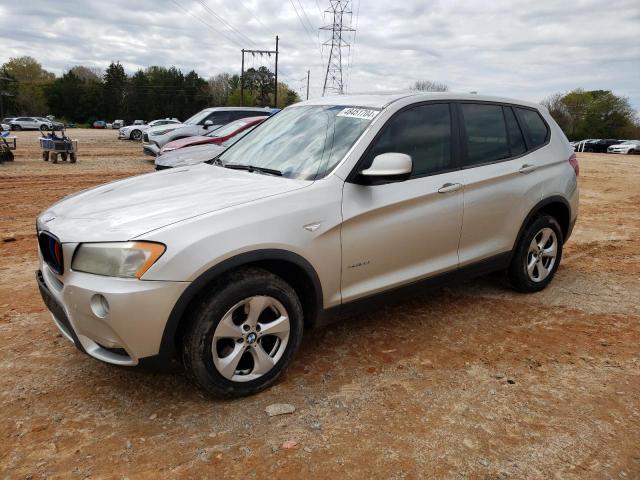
(53, 145)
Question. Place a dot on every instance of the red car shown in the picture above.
(218, 136)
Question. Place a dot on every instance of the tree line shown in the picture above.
(83, 94)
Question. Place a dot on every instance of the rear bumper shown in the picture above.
(130, 333)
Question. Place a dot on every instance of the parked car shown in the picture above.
(219, 135)
(201, 123)
(316, 211)
(629, 147)
(599, 145)
(31, 123)
(99, 124)
(195, 154)
(134, 132)
(117, 124)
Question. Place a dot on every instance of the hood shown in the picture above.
(186, 142)
(126, 209)
(189, 155)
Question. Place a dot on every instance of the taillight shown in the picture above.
(573, 160)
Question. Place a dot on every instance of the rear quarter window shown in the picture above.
(535, 129)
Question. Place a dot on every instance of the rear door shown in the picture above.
(501, 178)
(399, 232)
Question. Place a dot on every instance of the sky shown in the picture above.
(522, 49)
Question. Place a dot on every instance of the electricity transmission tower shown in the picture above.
(340, 28)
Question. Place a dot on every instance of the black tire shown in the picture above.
(73, 158)
(208, 312)
(631, 152)
(64, 156)
(517, 274)
(54, 157)
(17, 128)
(45, 156)
(44, 128)
(135, 135)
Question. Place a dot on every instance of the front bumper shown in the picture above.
(151, 149)
(132, 329)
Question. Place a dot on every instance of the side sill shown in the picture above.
(413, 289)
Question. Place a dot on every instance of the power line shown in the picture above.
(207, 24)
(230, 27)
(250, 12)
(311, 27)
(304, 26)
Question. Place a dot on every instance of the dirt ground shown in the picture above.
(468, 382)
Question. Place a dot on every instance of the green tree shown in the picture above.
(115, 82)
(592, 114)
(30, 79)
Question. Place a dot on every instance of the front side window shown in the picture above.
(535, 128)
(486, 134)
(423, 133)
(304, 142)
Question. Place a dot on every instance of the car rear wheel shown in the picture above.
(243, 336)
(136, 135)
(537, 255)
(16, 127)
(44, 128)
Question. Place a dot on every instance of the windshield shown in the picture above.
(198, 117)
(302, 142)
(227, 129)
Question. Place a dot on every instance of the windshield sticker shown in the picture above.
(362, 113)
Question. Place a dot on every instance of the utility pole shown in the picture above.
(308, 75)
(242, 81)
(333, 80)
(275, 92)
(260, 52)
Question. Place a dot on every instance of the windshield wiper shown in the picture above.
(215, 161)
(251, 168)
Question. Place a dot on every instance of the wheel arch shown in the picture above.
(556, 206)
(291, 267)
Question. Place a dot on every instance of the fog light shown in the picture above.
(99, 306)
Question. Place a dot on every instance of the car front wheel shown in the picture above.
(243, 336)
(537, 255)
(136, 135)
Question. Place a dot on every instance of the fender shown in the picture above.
(167, 354)
(534, 211)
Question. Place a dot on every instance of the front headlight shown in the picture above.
(117, 259)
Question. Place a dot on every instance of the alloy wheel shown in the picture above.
(251, 338)
(541, 257)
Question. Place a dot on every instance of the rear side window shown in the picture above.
(424, 133)
(516, 140)
(534, 126)
(486, 134)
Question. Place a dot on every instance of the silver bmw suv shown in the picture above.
(221, 266)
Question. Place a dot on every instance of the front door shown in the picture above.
(399, 232)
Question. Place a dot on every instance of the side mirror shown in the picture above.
(389, 166)
(208, 123)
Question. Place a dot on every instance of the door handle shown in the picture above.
(526, 168)
(450, 187)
